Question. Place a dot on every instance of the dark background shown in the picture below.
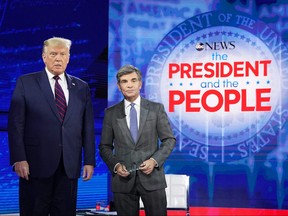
(24, 25)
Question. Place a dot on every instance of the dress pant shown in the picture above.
(127, 204)
(53, 196)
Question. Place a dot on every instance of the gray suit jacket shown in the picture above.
(117, 145)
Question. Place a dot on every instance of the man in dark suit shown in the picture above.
(50, 123)
(136, 163)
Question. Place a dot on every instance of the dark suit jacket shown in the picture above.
(117, 144)
(36, 133)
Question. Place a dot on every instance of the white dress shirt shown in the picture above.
(127, 105)
(62, 81)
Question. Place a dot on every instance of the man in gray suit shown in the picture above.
(136, 164)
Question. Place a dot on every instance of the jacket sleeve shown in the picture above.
(16, 123)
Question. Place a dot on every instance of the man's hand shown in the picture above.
(147, 166)
(88, 171)
(22, 169)
(122, 171)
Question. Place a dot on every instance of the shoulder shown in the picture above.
(115, 111)
(29, 79)
(76, 80)
(32, 75)
(116, 107)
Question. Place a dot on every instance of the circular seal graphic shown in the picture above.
(220, 76)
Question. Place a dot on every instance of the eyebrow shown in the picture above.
(134, 78)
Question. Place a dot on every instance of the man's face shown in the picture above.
(56, 59)
(130, 86)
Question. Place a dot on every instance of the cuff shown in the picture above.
(114, 170)
(154, 161)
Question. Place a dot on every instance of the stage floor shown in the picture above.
(203, 211)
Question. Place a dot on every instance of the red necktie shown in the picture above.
(60, 99)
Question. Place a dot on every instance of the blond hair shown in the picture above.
(56, 41)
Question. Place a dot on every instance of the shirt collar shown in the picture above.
(51, 75)
(136, 102)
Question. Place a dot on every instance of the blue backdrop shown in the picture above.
(24, 25)
(233, 158)
(220, 69)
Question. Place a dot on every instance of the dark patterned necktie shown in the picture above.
(60, 99)
(133, 122)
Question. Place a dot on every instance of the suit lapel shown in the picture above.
(144, 110)
(47, 91)
(71, 89)
(122, 122)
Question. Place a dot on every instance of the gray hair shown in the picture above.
(127, 69)
(56, 41)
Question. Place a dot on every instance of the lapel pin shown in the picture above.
(73, 84)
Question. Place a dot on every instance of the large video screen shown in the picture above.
(220, 69)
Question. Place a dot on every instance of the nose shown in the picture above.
(130, 84)
(57, 56)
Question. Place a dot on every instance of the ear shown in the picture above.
(43, 57)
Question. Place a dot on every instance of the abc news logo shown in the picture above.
(229, 45)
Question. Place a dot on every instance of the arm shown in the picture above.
(88, 139)
(106, 146)
(16, 123)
